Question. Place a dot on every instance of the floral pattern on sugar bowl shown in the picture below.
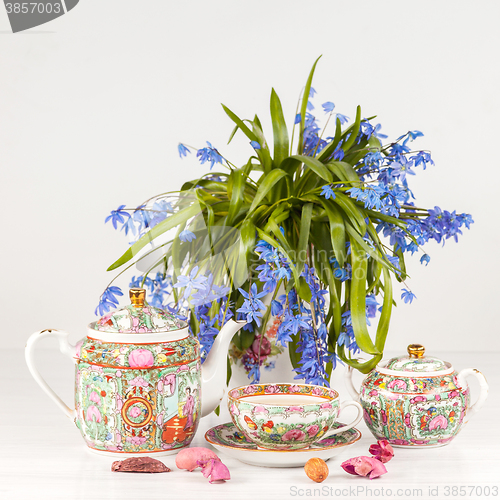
(417, 400)
(267, 415)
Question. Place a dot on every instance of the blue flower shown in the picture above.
(407, 296)
(159, 287)
(187, 236)
(160, 210)
(276, 308)
(117, 215)
(401, 168)
(255, 144)
(191, 282)
(204, 295)
(376, 132)
(183, 150)
(425, 259)
(327, 192)
(108, 300)
(298, 118)
(422, 158)
(142, 217)
(129, 226)
(252, 305)
(209, 154)
(343, 118)
(328, 106)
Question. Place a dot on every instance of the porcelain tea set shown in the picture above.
(140, 389)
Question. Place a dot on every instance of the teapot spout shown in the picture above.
(214, 369)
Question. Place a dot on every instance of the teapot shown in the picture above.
(417, 400)
(140, 387)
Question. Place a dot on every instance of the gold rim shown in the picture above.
(326, 397)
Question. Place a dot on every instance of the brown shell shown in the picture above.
(316, 469)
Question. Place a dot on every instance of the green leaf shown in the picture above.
(353, 212)
(385, 315)
(363, 367)
(337, 232)
(235, 129)
(247, 339)
(238, 188)
(303, 290)
(345, 172)
(280, 133)
(164, 226)
(354, 131)
(305, 226)
(229, 371)
(303, 108)
(327, 275)
(316, 166)
(240, 124)
(247, 244)
(292, 350)
(358, 299)
(326, 153)
(367, 249)
(266, 185)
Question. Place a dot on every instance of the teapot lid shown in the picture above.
(416, 362)
(138, 317)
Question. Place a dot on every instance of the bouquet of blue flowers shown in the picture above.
(303, 241)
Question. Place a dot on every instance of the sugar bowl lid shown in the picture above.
(416, 362)
(138, 317)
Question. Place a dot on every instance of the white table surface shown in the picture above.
(43, 456)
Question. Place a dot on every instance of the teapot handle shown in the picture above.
(65, 347)
(466, 372)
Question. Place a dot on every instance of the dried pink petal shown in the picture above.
(382, 451)
(214, 469)
(364, 466)
(188, 457)
(139, 464)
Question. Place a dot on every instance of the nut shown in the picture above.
(316, 469)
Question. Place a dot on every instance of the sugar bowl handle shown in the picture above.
(65, 347)
(483, 394)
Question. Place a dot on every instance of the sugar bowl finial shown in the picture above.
(416, 350)
(137, 296)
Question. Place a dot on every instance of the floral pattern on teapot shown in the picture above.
(129, 402)
(110, 354)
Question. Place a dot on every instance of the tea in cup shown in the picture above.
(287, 416)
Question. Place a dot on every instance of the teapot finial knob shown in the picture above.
(137, 296)
(416, 350)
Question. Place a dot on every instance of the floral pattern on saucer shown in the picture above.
(228, 435)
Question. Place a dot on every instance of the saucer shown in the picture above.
(228, 439)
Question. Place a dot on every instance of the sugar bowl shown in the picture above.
(417, 400)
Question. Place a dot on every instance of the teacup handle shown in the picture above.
(65, 347)
(356, 421)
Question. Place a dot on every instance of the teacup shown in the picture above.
(287, 416)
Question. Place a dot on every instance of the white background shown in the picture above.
(93, 105)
